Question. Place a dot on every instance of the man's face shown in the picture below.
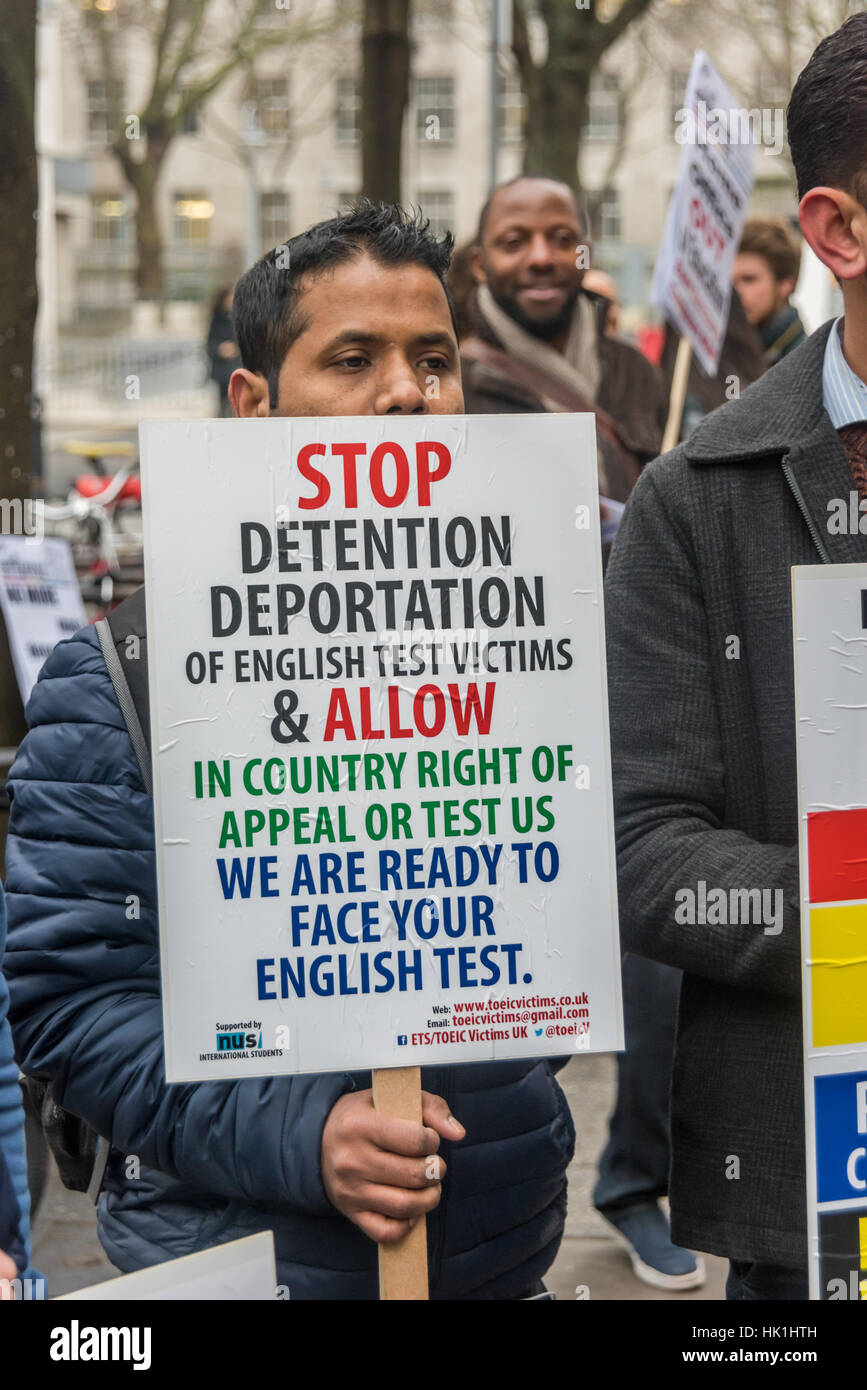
(379, 341)
(529, 253)
(760, 292)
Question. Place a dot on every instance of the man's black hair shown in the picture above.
(519, 178)
(266, 310)
(827, 115)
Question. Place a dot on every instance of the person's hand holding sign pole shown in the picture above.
(381, 1169)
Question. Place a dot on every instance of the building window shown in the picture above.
(103, 106)
(435, 110)
(109, 220)
(603, 108)
(273, 219)
(676, 95)
(191, 219)
(439, 206)
(607, 215)
(348, 111)
(775, 198)
(272, 107)
(189, 122)
(771, 90)
(511, 104)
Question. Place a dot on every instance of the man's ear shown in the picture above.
(248, 394)
(835, 226)
(476, 266)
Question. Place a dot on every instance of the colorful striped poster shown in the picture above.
(830, 630)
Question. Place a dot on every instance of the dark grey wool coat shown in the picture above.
(705, 783)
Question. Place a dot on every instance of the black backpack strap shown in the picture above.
(127, 665)
(80, 1153)
(100, 1163)
(126, 661)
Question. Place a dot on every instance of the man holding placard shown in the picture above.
(351, 318)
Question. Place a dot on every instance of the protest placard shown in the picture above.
(40, 601)
(830, 626)
(381, 761)
(240, 1271)
(692, 278)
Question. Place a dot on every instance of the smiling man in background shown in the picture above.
(539, 341)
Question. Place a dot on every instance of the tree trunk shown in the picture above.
(557, 91)
(150, 282)
(384, 96)
(18, 300)
(142, 176)
(555, 122)
(149, 271)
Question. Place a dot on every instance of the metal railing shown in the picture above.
(123, 379)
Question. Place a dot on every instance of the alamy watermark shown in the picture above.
(22, 517)
(715, 125)
(713, 907)
(22, 1290)
(847, 516)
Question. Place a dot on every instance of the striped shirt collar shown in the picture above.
(843, 393)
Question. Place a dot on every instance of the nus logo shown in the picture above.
(238, 1042)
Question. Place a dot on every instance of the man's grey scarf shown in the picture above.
(577, 366)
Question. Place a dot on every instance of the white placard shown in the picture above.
(382, 777)
(239, 1271)
(692, 279)
(40, 601)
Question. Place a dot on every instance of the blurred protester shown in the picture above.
(765, 274)
(703, 744)
(357, 327)
(221, 347)
(537, 343)
(14, 1198)
(649, 339)
(542, 346)
(599, 283)
(741, 363)
(633, 1167)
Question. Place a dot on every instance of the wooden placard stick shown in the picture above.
(677, 395)
(402, 1267)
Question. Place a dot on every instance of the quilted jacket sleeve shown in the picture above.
(83, 969)
(14, 1195)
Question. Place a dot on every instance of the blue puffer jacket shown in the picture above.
(219, 1160)
(14, 1194)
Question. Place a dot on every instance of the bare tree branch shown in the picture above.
(610, 32)
(521, 43)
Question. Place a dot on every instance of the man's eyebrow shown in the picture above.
(563, 225)
(351, 335)
(439, 335)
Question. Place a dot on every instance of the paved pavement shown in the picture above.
(590, 1255)
(66, 1248)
